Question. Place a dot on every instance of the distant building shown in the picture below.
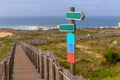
(118, 25)
(43, 28)
(57, 27)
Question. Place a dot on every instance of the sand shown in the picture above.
(5, 34)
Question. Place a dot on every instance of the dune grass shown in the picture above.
(89, 56)
(89, 62)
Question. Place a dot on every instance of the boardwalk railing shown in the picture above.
(6, 66)
(47, 66)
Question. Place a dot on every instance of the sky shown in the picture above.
(59, 7)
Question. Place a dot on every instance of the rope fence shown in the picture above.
(84, 37)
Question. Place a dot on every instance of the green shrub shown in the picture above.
(102, 73)
(112, 55)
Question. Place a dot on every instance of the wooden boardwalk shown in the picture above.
(23, 68)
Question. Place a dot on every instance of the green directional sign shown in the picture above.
(67, 27)
(75, 15)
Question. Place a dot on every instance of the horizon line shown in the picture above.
(64, 16)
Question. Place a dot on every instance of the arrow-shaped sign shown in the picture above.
(75, 15)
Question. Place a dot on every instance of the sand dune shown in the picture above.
(4, 34)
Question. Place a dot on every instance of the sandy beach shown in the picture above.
(4, 34)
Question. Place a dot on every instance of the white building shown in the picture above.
(119, 24)
(43, 28)
(57, 27)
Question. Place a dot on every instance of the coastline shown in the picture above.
(49, 28)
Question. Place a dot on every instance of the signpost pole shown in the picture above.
(71, 28)
(72, 65)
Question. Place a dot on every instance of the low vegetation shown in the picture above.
(97, 59)
(112, 55)
(93, 60)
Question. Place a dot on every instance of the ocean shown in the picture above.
(31, 23)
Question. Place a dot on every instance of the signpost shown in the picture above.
(71, 28)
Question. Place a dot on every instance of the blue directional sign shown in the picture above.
(70, 38)
(71, 43)
(70, 48)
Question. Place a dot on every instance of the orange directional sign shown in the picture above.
(71, 58)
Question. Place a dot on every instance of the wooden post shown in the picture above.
(30, 55)
(10, 67)
(1, 71)
(5, 70)
(27, 52)
(59, 75)
(38, 62)
(52, 72)
(42, 66)
(46, 68)
(8, 70)
(33, 57)
(72, 66)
